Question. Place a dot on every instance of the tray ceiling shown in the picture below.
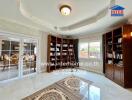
(87, 16)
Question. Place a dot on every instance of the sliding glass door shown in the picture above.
(9, 58)
(29, 59)
(18, 57)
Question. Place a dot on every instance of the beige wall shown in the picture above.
(9, 27)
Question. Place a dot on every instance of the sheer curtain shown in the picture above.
(90, 54)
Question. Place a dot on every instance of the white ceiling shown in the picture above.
(87, 16)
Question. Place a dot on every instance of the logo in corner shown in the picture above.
(117, 10)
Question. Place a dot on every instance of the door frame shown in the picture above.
(22, 37)
(21, 58)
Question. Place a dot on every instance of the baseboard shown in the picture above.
(90, 70)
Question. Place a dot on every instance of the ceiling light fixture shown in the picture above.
(65, 10)
(131, 33)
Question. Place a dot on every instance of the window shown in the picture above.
(83, 52)
(89, 50)
(94, 50)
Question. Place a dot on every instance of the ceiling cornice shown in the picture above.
(69, 28)
(27, 14)
(88, 21)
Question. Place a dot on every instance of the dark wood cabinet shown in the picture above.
(119, 75)
(61, 53)
(109, 71)
(117, 55)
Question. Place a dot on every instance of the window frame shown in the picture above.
(87, 48)
(88, 56)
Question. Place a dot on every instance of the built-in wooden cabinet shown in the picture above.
(61, 53)
(109, 71)
(118, 75)
(117, 55)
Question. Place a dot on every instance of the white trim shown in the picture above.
(18, 34)
(17, 78)
(80, 42)
(8, 80)
(97, 68)
(28, 75)
(21, 37)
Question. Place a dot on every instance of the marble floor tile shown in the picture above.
(18, 89)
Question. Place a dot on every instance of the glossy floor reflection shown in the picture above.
(18, 89)
(70, 88)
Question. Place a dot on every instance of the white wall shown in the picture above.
(44, 50)
(95, 65)
(19, 30)
(42, 36)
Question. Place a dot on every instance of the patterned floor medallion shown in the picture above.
(77, 86)
(51, 95)
(72, 83)
(70, 88)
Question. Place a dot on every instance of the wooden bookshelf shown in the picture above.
(64, 53)
(117, 55)
(51, 55)
(60, 53)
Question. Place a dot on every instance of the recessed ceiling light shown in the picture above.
(65, 10)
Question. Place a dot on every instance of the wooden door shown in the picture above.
(109, 71)
(119, 74)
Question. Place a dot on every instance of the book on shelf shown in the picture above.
(52, 49)
(117, 55)
(58, 45)
(64, 53)
(109, 42)
(70, 49)
(64, 50)
(109, 55)
(119, 40)
(110, 62)
(58, 54)
(65, 45)
(70, 45)
(52, 54)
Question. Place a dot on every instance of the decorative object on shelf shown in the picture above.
(110, 62)
(119, 40)
(57, 49)
(109, 55)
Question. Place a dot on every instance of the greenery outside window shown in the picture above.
(89, 50)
